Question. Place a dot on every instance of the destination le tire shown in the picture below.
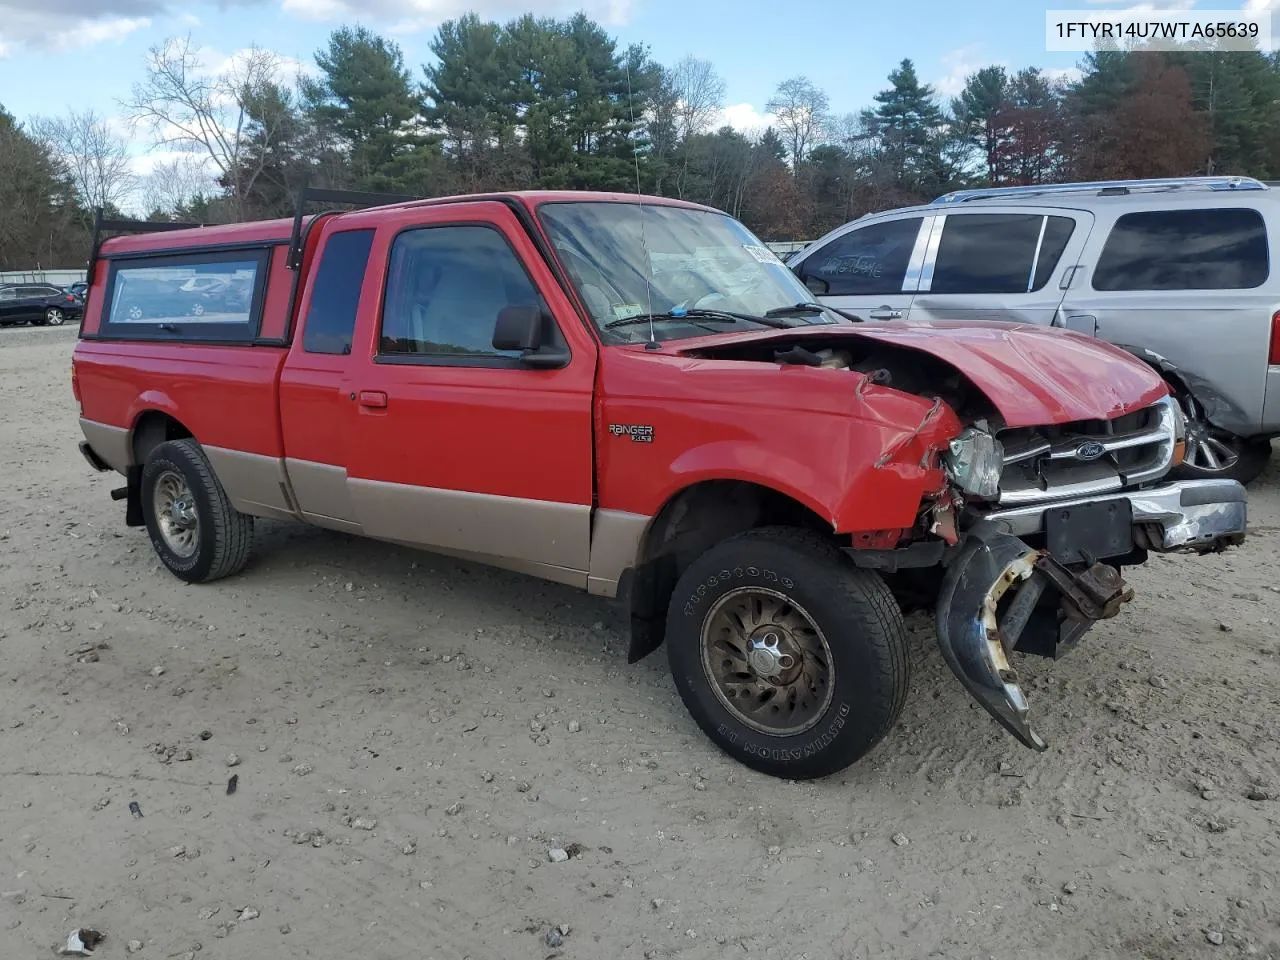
(197, 533)
(788, 657)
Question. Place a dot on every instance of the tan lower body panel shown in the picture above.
(561, 542)
(110, 443)
(323, 494)
(509, 529)
(616, 539)
(255, 484)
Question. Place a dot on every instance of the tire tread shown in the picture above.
(232, 531)
(873, 613)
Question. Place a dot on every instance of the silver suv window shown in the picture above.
(999, 252)
(868, 260)
(1218, 249)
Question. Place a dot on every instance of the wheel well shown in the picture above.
(689, 524)
(152, 429)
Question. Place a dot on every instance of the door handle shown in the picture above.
(376, 399)
(885, 313)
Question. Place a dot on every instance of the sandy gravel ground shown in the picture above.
(413, 735)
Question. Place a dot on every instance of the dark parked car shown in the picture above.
(41, 304)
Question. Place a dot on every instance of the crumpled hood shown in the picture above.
(1035, 376)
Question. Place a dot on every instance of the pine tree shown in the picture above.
(366, 104)
(981, 117)
(910, 130)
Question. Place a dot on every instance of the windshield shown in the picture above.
(695, 271)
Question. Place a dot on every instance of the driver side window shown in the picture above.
(445, 288)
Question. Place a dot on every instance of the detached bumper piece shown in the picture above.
(1000, 593)
(994, 587)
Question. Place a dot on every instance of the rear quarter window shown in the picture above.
(996, 253)
(1218, 249)
(186, 296)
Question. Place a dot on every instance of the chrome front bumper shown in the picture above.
(1189, 514)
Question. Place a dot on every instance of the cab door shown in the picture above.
(868, 269)
(316, 409)
(455, 445)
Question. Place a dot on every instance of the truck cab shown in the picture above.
(633, 396)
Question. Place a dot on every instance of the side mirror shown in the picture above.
(518, 328)
(817, 285)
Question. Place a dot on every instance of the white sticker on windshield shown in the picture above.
(623, 310)
(762, 254)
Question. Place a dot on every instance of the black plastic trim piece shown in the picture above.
(347, 197)
(91, 455)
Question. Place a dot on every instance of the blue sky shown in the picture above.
(57, 54)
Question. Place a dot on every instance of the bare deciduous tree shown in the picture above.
(188, 108)
(801, 109)
(699, 93)
(95, 156)
(173, 184)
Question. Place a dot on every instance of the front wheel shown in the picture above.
(196, 532)
(789, 658)
(1213, 453)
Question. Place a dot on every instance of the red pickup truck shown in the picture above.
(633, 396)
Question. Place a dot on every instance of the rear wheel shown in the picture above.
(1216, 453)
(194, 529)
(54, 317)
(790, 659)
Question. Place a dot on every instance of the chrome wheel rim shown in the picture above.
(767, 661)
(197, 310)
(175, 512)
(135, 312)
(54, 317)
(1206, 448)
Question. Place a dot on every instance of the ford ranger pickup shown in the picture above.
(633, 396)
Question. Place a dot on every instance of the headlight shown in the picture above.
(974, 461)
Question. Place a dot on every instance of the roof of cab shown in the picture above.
(280, 231)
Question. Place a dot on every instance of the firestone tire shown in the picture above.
(195, 531)
(751, 673)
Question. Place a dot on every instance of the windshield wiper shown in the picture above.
(723, 316)
(794, 309)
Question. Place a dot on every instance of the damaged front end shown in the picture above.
(999, 592)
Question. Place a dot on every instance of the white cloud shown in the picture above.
(93, 32)
(1063, 74)
(48, 31)
(744, 118)
(959, 65)
(144, 164)
(214, 63)
(411, 16)
(1120, 5)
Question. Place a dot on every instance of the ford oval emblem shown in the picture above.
(1090, 450)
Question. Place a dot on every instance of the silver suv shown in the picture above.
(1176, 271)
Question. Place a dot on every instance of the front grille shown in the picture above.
(1089, 457)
